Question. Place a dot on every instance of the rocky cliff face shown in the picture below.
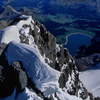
(22, 70)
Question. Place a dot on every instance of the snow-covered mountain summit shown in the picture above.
(34, 67)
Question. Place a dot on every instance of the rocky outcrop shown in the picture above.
(11, 77)
(2, 47)
(15, 77)
(46, 43)
(3, 24)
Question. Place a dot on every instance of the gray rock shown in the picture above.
(8, 81)
(11, 77)
(24, 39)
(22, 77)
(46, 43)
(2, 47)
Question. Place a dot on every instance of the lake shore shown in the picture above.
(74, 34)
(74, 41)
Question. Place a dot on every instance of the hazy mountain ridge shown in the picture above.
(7, 15)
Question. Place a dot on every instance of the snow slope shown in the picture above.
(9, 34)
(44, 77)
(91, 80)
(35, 66)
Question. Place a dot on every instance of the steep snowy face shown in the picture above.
(41, 74)
(50, 70)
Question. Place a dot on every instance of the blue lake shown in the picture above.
(75, 41)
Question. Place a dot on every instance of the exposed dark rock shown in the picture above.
(11, 77)
(62, 80)
(21, 75)
(80, 66)
(97, 98)
(24, 39)
(3, 24)
(8, 81)
(46, 43)
(63, 57)
(60, 56)
(2, 47)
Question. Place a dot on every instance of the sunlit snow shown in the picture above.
(91, 80)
